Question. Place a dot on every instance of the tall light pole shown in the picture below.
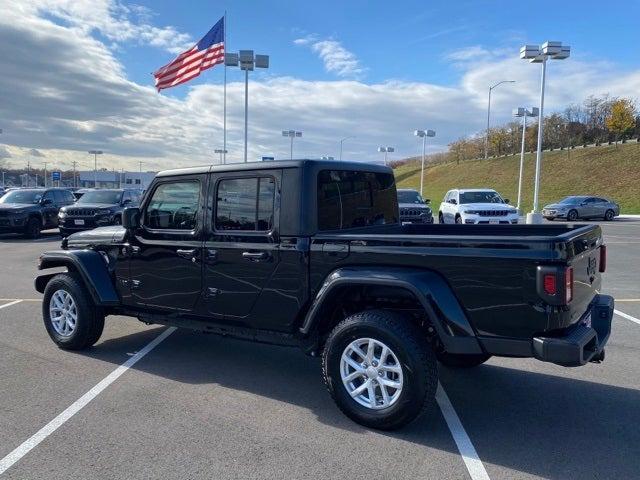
(386, 150)
(424, 134)
(95, 154)
(222, 152)
(291, 134)
(247, 62)
(486, 140)
(540, 54)
(524, 113)
(45, 174)
(341, 142)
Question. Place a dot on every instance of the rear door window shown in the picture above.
(245, 204)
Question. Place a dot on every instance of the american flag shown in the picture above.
(209, 51)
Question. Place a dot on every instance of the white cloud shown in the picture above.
(336, 58)
(64, 92)
(116, 21)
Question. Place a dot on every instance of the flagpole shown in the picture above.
(224, 142)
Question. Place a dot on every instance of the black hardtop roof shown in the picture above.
(305, 163)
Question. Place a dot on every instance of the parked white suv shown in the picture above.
(476, 206)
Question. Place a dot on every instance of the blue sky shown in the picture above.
(77, 74)
(406, 40)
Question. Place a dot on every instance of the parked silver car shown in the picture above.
(575, 207)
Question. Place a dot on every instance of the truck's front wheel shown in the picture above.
(72, 320)
(379, 369)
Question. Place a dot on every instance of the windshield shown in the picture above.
(570, 200)
(409, 197)
(488, 196)
(104, 196)
(22, 196)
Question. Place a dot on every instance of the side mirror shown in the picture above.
(126, 202)
(47, 201)
(427, 201)
(453, 201)
(131, 218)
(506, 200)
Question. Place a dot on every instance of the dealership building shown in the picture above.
(107, 179)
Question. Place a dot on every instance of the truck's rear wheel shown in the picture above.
(72, 320)
(462, 361)
(379, 369)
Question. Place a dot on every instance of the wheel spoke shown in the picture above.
(390, 383)
(353, 375)
(359, 352)
(352, 363)
(385, 394)
(371, 346)
(371, 392)
(360, 389)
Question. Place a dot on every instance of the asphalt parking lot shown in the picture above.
(199, 406)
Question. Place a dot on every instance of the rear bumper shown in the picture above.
(583, 342)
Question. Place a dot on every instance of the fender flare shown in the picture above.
(92, 269)
(429, 288)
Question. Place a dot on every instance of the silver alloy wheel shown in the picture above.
(63, 313)
(371, 373)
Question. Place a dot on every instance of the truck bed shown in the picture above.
(492, 269)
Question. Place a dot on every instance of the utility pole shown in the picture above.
(75, 183)
(45, 174)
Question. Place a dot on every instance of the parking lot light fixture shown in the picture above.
(524, 113)
(291, 134)
(222, 153)
(247, 61)
(486, 140)
(341, 144)
(386, 150)
(95, 154)
(540, 54)
(423, 134)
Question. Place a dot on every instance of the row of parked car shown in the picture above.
(485, 206)
(30, 210)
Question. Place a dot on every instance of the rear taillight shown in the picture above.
(550, 284)
(603, 258)
(568, 284)
(555, 284)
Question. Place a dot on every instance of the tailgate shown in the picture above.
(584, 254)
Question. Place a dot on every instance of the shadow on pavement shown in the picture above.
(546, 425)
(19, 238)
(541, 424)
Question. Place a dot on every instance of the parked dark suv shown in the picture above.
(29, 210)
(96, 208)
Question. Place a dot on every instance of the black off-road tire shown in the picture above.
(462, 361)
(440, 218)
(572, 215)
(90, 321)
(416, 357)
(32, 228)
(458, 219)
(608, 215)
(117, 220)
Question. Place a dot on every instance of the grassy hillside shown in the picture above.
(606, 170)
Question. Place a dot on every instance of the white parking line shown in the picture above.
(9, 304)
(465, 447)
(627, 316)
(79, 404)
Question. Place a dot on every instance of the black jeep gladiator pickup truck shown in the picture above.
(312, 253)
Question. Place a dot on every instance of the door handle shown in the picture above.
(255, 256)
(186, 253)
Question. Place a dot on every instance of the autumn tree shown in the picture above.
(621, 119)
